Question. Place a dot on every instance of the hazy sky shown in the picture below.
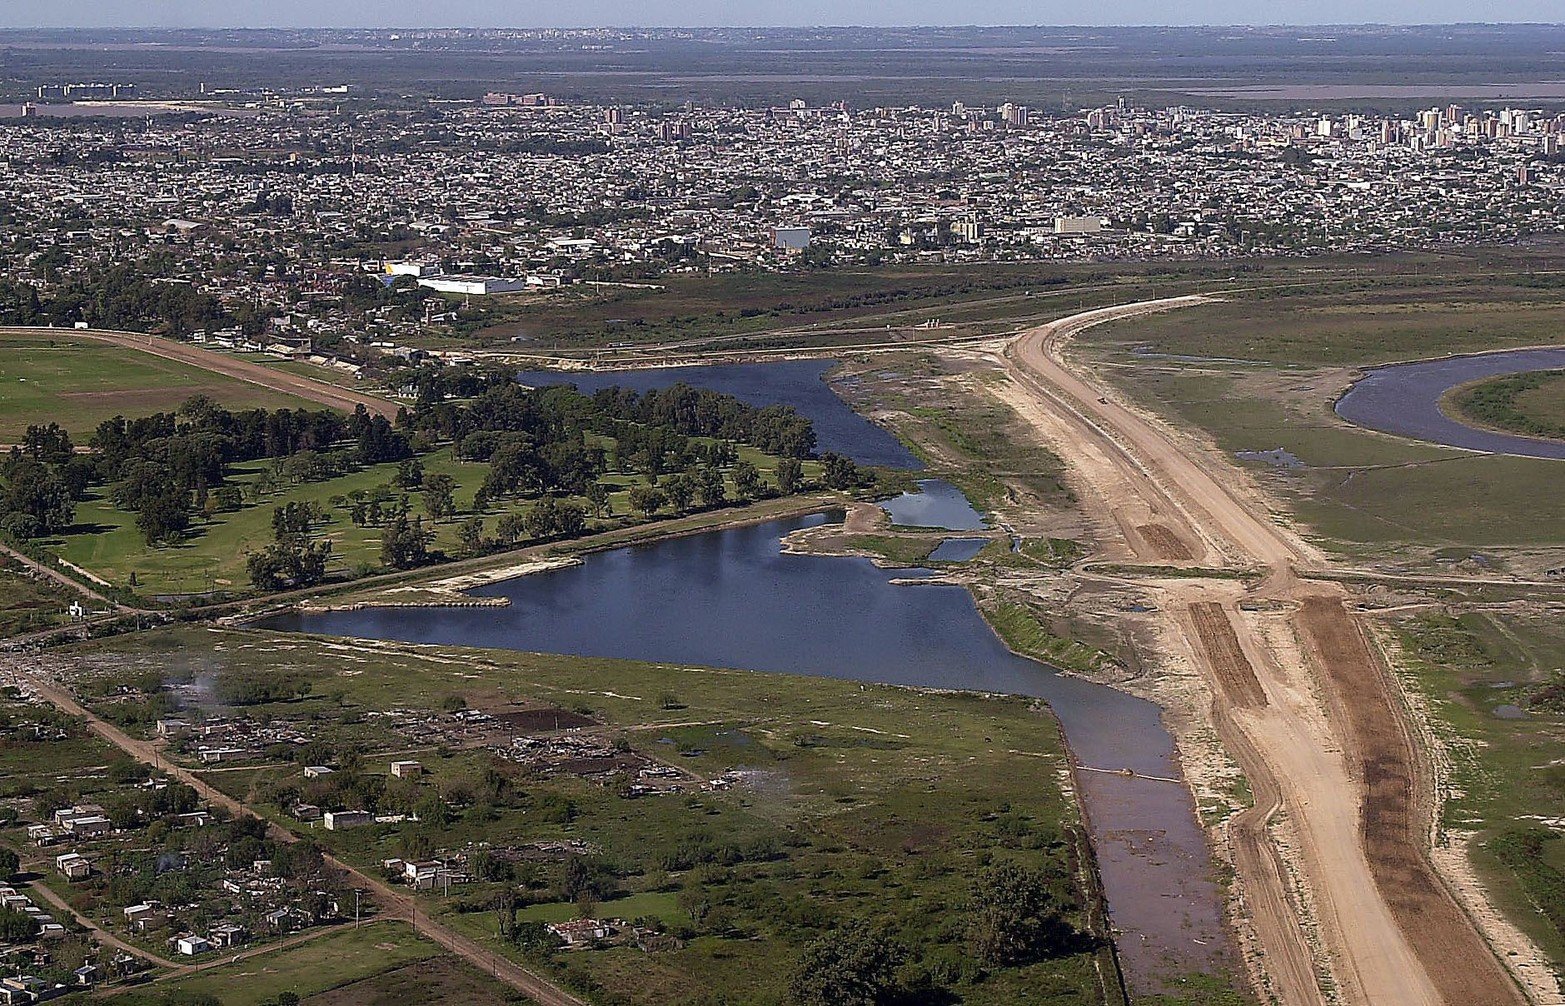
(527, 13)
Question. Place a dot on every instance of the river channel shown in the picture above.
(733, 598)
(1404, 398)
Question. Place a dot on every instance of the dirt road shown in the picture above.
(394, 904)
(1301, 700)
(307, 388)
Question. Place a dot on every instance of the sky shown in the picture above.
(694, 13)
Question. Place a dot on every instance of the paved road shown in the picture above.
(394, 904)
(1302, 701)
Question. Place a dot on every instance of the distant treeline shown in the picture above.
(121, 297)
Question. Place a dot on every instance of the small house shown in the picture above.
(192, 946)
(406, 769)
(339, 820)
(73, 865)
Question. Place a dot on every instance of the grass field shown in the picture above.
(78, 384)
(1531, 404)
(339, 959)
(443, 979)
(872, 803)
(1480, 670)
(1379, 323)
(27, 603)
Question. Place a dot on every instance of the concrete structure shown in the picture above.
(472, 286)
(340, 820)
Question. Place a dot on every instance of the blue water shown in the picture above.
(936, 504)
(799, 383)
(1404, 399)
(958, 549)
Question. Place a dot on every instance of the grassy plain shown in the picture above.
(439, 979)
(79, 383)
(28, 603)
(857, 803)
(334, 960)
(1531, 404)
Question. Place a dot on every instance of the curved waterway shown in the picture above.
(1404, 399)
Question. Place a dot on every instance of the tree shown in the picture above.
(471, 535)
(404, 545)
(713, 491)
(439, 496)
(1012, 918)
(17, 927)
(647, 499)
(36, 492)
(10, 862)
(839, 472)
(164, 515)
(747, 479)
(790, 473)
(851, 967)
(680, 490)
(410, 474)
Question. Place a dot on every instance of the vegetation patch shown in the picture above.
(1531, 404)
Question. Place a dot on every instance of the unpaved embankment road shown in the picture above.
(259, 374)
(1301, 699)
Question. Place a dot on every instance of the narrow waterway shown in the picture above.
(733, 598)
(1404, 399)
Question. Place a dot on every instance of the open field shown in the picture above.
(78, 383)
(1530, 404)
(338, 959)
(438, 979)
(847, 803)
(28, 602)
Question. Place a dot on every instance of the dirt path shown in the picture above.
(1301, 700)
(394, 904)
(240, 370)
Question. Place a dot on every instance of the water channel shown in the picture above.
(1404, 399)
(733, 598)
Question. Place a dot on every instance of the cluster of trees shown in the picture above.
(119, 297)
(698, 412)
(1013, 917)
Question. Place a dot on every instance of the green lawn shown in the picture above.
(213, 555)
(78, 384)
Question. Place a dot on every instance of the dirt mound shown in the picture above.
(1241, 688)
